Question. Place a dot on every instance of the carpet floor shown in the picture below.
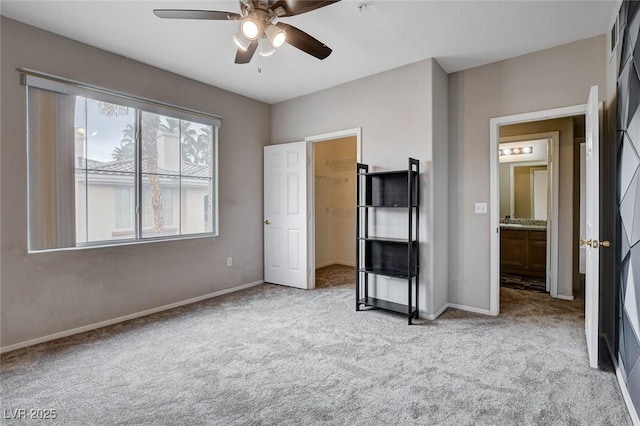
(277, 355)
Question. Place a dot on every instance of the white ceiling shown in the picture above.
(386, 35)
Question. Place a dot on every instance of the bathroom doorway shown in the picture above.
(536, 252)
(528, 195)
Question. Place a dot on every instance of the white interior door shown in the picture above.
(285, 214)
(592, 226)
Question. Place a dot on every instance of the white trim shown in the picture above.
(335, 262)
(124, 318)
(325, 264)
(437, 314)
(494, 189)
(626, 396)
(454, 306)
(311, 192)
(470, 309)
(563, 297)
(621, 383)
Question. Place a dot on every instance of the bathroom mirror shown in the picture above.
(524, 180)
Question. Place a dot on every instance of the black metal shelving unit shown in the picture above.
(390, 257)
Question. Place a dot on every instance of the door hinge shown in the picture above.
(308, 216)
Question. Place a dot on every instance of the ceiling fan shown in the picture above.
(260, 26)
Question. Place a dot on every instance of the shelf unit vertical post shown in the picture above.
(360, 170)
(414, 203)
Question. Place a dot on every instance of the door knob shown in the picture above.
(266, 222)
(605, 244)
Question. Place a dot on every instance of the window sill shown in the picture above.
(111, 244)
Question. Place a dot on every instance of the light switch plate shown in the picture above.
(481, 208)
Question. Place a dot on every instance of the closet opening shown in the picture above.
(333, 208)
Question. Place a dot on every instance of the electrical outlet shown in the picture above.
(481, 208)
(229, 261)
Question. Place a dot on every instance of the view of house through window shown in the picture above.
(103, 172)
(175, 171)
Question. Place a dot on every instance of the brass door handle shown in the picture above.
(585, 243)
(594, 243)
(266, 222)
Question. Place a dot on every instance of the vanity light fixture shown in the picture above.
(516, 150)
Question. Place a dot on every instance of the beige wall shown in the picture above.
(552, 78)
(402, 113)
(335, 200)
(47, 293)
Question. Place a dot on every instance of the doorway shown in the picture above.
(539, 125)
(529, 179)
(334, 164)
(332, 199)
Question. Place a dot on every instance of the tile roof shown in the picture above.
(118, 167)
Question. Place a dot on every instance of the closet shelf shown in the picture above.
(342, 163)
(332, 179)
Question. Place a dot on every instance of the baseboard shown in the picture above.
(469, 309)
(563, 297)
(625, 395)
(335, 262)
(124, 318)
(627, 398)
(352, 264)
(437, 314)
(623, 387)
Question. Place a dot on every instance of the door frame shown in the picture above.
(553, 163)
(494, 188)
(311, 190)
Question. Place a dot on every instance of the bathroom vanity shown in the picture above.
(523, 249)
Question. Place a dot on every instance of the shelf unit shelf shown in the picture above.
(387, 272)
(394, 257)
(386, 305)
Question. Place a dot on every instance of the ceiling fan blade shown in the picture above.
(297, 7)
(211, 15)
(244, 56)
(303, 41)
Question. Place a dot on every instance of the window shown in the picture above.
(124, 207)
(106, 168)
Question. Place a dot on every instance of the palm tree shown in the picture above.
(203, 146)
(188, 138)
(150, 127)
(127, 148)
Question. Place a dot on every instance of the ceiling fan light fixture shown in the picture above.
(241, 42)
(265, 48)
(276, 36)
(250, 28)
